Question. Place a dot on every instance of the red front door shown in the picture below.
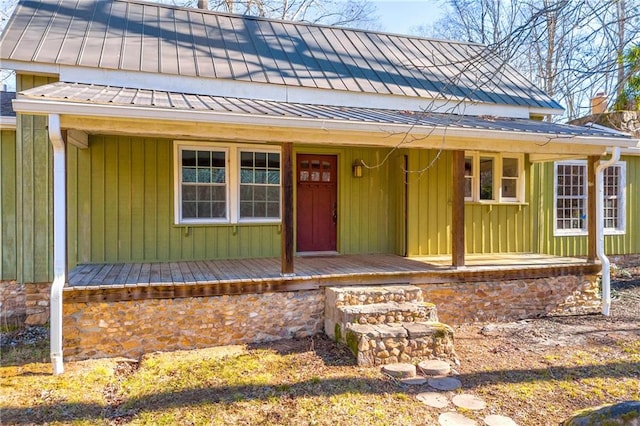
(317, 202)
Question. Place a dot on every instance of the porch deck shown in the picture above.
(132, 281)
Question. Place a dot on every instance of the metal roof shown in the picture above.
(139, 36)
(6, 108)
(89, 94)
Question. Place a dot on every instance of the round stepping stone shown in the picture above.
(434, 367)
(400, 370)
(414, 381)
(433, 399)
(495, 420)
(469, 402)
(452, 418)
(445, 383)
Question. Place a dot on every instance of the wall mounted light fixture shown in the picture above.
(357, 168)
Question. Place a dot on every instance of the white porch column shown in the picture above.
(59, 240)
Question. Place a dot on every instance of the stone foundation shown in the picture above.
(514, 299)
(24, 304)
(132, 328)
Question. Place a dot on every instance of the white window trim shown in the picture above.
(622, 208)
(497, 178)
(232, 176)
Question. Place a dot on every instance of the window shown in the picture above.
(571, 198)
(493, 178)
(203, 185)
(259, 185)
(218, 184)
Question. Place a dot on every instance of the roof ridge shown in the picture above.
(303, 23)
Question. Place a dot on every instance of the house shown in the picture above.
(187, 178)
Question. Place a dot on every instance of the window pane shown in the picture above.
(189, 192)
(188, 210)
(273, 209)
(273, 177)
(468, 166)
(246, 159)
(467, 187)
(219, 193)
(204, 159)
(204, 175)
(509, 188)
(204, 209)
(486, 178)
(189, 175)
(218, 160)
(217, 176)
(204, 193)
(246, 176)
(510, 167)
(261, 160)
(274, 161)
(188, 158)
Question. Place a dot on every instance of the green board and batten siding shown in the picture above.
(543, 219)
(8, 222)
(489, 228)
(26, 206)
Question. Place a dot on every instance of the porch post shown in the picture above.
(592, 237)
(287, 209)
(457, 210)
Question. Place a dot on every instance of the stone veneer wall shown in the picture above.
(514, 299)
(24, 304)
(131, 328)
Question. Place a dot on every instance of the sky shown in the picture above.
(400, 16)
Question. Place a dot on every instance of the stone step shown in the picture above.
(383, 313)
(367, 295)
(399, 342)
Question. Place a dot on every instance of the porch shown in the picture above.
(137, 281)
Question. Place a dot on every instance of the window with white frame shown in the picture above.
(494, 178)
(259, 185)
(570, 201)
(222, 184)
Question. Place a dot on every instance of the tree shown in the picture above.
(358, 13)
(629, 97)
(571, 48)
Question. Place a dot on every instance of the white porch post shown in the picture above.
(59, 241)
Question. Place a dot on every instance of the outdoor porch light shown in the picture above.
(357, 168)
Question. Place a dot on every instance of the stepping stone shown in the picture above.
(400, 370)
(434, 367)
(433, 399)
(414, 381)
(452, 418)
(445, 383)
(495, 420)
(469, 402)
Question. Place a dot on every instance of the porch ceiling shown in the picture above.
(129, 103)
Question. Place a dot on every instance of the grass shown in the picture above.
(288, 383)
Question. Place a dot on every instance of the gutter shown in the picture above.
(59, 241)
(606, 264)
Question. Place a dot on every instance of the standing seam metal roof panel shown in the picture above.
(137, 36)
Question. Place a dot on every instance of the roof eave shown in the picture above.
(40, 106)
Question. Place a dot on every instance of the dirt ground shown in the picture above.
(538, 372)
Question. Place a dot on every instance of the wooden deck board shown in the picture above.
(219, 277)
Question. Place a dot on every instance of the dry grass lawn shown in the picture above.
(537, 372)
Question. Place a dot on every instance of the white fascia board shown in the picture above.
(282, 93)
(7, 123)
(30, 67)
(39, 106)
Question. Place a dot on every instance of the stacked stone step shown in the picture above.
(386, 324)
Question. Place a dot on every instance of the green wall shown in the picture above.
(8, 223)
(120, 196)
(26, 206)
(489, 228)
(546, 242)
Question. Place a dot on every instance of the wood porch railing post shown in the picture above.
(592, 161)
(457, 210)
(287, 209)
